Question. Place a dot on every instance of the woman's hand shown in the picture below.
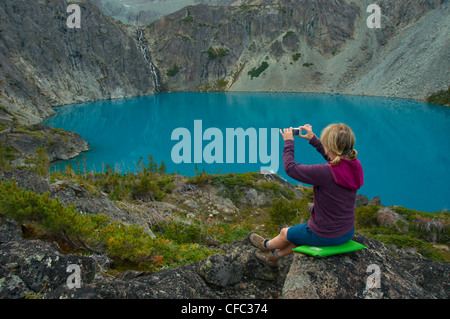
(287, 134)
(309, 133)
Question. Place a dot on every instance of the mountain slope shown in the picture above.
(309, 46)
(44, 63)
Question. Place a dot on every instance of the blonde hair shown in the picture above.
(339, 139)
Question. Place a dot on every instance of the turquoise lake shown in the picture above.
(403, 145)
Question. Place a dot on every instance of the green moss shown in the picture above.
(187, 19)
(185, 37)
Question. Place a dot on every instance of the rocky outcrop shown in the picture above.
(354, 275)
(31, 267)
(37, 268)
(83, 200)
(58, 144)
(45, 63)
(87, 203)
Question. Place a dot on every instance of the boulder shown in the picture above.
(220, 270)
(34, 267)
(388, 217)
(370, 273)
(9, 230)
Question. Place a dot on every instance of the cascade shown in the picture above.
(144, 50)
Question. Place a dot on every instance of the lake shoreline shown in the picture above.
(141, 119)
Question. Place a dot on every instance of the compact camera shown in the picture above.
(296, 131)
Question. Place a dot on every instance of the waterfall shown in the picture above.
(144, 50)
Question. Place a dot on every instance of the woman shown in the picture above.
(334, 187)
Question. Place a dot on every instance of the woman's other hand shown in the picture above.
(309, 133)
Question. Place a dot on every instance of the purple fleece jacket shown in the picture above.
(334, 189)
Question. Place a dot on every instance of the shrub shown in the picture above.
(49, 215)
(146, 189)
(40, 162)
(287, 213)
(195, 233)
(4, 160)
(234, 184)
(407, 241)
(255, 72)
(366, 216)
(125, 244)
(441, 97)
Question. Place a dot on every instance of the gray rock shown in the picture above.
(348, 275)
(220, 270)
(87, 203)
(388, 217)
(176, 283)
(59, 144)
(35, 267)
(26, 179)
(39, 267)
(375, 201)
(9, 230)
(361, 200)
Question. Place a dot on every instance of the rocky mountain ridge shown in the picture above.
(308, 46)
(45, 63)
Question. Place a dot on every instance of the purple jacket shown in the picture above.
(334, 189)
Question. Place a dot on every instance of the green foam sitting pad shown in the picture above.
(330, 250)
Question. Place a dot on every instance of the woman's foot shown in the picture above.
(257, 241)
(266, 257)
